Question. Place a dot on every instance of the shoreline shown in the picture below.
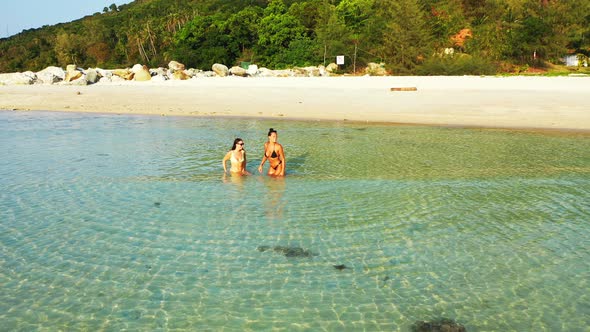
(518, 102)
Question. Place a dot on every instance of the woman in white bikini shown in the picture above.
(273, 152)
(237, 157)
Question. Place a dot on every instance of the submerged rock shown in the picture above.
(288, 251)
(442, 325)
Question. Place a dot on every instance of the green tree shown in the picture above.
(205, 41)
(537, 30)
(307, 13)
(331, 33)
(488, 39)
(364, 33)
(69, 48)
(356, 13)
(280, 35)
(243, 28)
(445, 18)
(406, 41)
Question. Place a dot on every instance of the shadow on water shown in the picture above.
(296, 165)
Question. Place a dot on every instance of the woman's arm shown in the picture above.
(262, 163)
(263, 159)
(283, 160)
(227, 156)
(244, 171)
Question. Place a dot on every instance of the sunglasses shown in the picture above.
(241, 143)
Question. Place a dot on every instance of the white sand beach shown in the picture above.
(497, 102)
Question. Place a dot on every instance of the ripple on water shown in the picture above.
(128, 223)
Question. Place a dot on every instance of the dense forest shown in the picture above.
(409, 36)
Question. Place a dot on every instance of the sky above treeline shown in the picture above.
(19, 15)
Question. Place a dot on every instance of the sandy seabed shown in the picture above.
(498, 102)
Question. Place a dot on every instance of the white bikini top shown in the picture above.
(234, 160)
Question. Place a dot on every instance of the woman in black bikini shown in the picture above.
(273, 152)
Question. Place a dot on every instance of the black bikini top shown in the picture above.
(274, 153)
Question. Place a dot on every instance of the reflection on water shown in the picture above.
(122, 222)
(274, 203)
(236, 179)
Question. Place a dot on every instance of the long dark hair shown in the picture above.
(233, 147)
(270, 131)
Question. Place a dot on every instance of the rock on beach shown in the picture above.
(73, 75)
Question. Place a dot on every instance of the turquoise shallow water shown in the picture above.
(126, 222)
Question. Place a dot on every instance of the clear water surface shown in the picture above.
(126, 222)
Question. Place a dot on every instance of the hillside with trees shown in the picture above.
(425, 37)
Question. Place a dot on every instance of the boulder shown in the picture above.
(91, 76)
(376, 69)
(116, 78)
(220, 70)
(175, 66)
(312, 71)
(72, 75)
(125, 74)
(252, 70)
(265, 72)
(207, 73)
(159, 78)
(299, 72)
(332, 67)
(103, 72)
(142, 74)
(78, 81)
(306, 71)
(238, 71)
(25, 78)
(192, 72)
(180, 75)
(137, 68)
(47, 78)
(159, 71)
(54, 71)
(71, 68)
(284, 73)
(50, 75)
